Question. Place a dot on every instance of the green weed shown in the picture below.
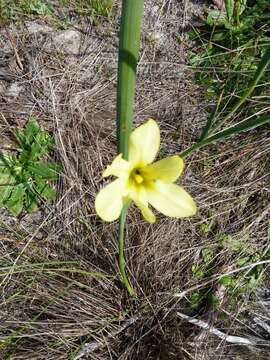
(24, 176)
(94, 10)
(12, 10)
(250, 264)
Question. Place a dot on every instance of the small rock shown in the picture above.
(68, 41)
(36, 28)
(14, 90)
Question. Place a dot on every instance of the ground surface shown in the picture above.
(67, 302)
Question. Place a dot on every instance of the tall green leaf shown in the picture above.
(129, 42)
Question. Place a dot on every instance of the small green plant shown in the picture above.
(251, 265)
(94, 10)
(14, 10)
(24, 176)
(203, 268)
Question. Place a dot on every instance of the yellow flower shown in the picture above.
(144, 182)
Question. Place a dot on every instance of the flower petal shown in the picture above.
(146, 212)
(119, 167)
(144, 143)
(171, 200)
(109, 200)
(138, 194)
(168, 169)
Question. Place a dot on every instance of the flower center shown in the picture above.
(136, 176)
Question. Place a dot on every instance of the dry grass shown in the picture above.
(50, 311)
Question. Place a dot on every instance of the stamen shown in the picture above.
(138, 179)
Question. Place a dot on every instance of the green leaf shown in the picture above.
(195, 299)
(207, 255)
(7, 182)
(217, 18)
(245, 125)
(205, 228)
(42, 145)
(33, 142)
(213, 301)
(226, 280)
(44, 170)
(244, 260)
(197, 271)
(31, 202)
(46, 191)
(26, 136)
(16, 200)
(22, 176)
(229, 5)
(233, 130)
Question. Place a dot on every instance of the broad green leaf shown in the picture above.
(19, 173)
(44, 170)
(31, 202)
(226, 280)
(16, 200)
(216, 17)
(46, 191)
(7, 182)
(42, 145)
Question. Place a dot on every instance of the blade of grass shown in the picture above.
(210, 119)
(264, 63)
(129, 43)
(243, 125)
(233, 130)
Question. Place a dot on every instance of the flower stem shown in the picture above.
(129, 44)
(121, 251)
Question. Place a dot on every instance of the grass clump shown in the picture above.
(94, 10)
(15, 10)
(230, 45)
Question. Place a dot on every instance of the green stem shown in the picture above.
(129, 44)
(121, 251)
